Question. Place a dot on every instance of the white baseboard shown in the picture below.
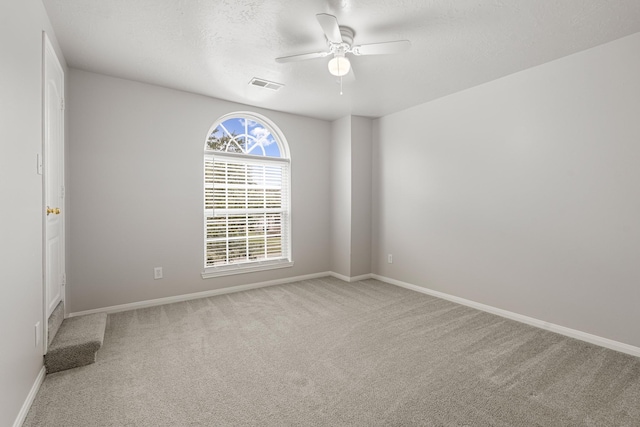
(196, 295)
(361, 277)
(573, 333)
(350, 279)
(339, 276)
(30, 397)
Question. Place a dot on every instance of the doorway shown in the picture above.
(53, 183)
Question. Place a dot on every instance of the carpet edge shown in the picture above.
(552, 327)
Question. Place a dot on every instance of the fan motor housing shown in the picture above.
(347, 35)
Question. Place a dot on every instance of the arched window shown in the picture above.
(246, 196)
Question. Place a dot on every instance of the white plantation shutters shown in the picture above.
(246, 210)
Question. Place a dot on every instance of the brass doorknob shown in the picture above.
(53, 211)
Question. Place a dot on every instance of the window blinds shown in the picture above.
(246, 210)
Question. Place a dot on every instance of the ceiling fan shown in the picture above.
(340, 39)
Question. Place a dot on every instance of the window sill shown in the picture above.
(228, 270)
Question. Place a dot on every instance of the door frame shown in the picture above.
(50, 59)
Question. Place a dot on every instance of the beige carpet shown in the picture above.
(328, 353)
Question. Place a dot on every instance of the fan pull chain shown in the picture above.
(340, 85)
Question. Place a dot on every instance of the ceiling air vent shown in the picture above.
(265, 84)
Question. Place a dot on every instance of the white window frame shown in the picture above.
(284, 161)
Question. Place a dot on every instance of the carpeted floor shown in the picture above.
(328, 353)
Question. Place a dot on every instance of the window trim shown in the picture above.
(249, 267)
(259, 265)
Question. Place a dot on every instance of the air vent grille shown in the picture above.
(265, 84)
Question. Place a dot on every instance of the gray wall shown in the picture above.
(21, 216)
(361, 128)
(351, 196)
(136, 191)
(341, 196)
(523, 193)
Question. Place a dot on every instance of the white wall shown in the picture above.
(21, 213)
(341, 196)
(136, 191)
(523, 193)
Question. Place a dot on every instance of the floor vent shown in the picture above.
(265, 84)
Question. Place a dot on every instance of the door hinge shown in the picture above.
(62, 192)
(63, 279)
(62, 104)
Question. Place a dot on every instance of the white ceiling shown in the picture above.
(215, 47)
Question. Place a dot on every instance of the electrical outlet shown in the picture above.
(390, 259)
(38, 334)
(157, 273)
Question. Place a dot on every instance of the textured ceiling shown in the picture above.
(215, 47)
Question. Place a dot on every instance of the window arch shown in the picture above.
(247, 216)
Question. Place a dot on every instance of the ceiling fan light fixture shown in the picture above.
(339, 65)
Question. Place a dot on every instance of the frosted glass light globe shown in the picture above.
(339, 66)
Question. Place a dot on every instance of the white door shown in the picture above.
(53, 159)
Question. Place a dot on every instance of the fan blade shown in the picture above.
(302, 57)
(382, 48)
(350, 77)
(330, 26)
